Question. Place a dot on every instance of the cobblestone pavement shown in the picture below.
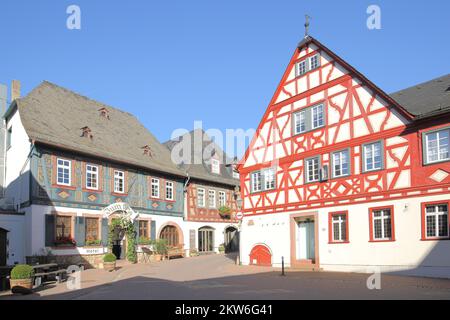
(218, 277)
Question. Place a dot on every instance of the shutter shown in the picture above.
(424, 148)
(308, 119)
(153, 230)
(363, 158)
(80, 231)
(49, 230)
(105, 232)
(382, 153)
(136, 229)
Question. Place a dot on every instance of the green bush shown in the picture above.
(222, 248)
(90, 243)
(144, 241)
(21, 272)
(109, 257)
(160, 246)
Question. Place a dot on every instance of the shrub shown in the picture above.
(93, 243)
(160, 246)
(21, 272)
(109, 257)
(144, 241)
(222, 248)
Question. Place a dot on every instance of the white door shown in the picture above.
(305, 240)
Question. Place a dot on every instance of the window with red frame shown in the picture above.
(338, 225)
(382, 224)
(436, 221)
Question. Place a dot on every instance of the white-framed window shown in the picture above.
(155, 188)
(341, 164)
(212, 198)
(215, 166)
(373, 157)
(312, 169)
(64, 172)
(317, 116)
(222, 199)
(382, 224)
(200, 197)
(436, 221)
(339, 227)
(169, 190)
(91, 177)
(299, 122)
(119, 181)
(256, 181)
(314, 62)
(269, 179)
(301, 68)
(437, 146)
(235, 174)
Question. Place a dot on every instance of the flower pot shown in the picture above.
(109, 266)
(23, 286)
(158, 257)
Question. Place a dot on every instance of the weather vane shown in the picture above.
(307, 25)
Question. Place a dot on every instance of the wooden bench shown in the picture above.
(175, 252)
(59, 275)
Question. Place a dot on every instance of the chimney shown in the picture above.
(15, 90)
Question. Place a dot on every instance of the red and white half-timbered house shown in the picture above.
(342, 176)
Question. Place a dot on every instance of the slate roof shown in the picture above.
(426, 99)
(55, 116)
(200, 167)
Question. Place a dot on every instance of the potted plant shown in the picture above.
(109, 262)
(161, 249)
(222, 248)
(193, 253)
(65, 242)
(144, 241)
(93, 243)
(225, 212)
(21, 279)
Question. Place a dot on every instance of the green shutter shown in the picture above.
(105, 232)
(49, 230)
(153, 230)
(80, 231)
(136, 228)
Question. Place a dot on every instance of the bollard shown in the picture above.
(282, 267)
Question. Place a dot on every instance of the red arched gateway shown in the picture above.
(260, 256)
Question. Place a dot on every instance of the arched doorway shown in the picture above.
(206, 240)
(260, 256)
(231, 239)
(118, 239)
(170, 234)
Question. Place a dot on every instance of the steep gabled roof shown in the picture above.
(54, 116)
(200, 167)
(426, 99)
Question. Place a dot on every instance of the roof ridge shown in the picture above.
(422, 83)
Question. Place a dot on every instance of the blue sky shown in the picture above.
(173, 62)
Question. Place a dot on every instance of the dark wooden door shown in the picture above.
(3, 248)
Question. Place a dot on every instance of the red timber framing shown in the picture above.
(205, 213)
(356, 113)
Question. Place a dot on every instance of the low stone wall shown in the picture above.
(93, 261)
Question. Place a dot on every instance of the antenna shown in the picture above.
(307, 18)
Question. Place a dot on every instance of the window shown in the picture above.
(269, 179)
(436, 221)
(143, 229)
(201, 197)
(263, 180)
(436, 146)
(91, 177)
(222, 199)
(312, 169)
(317, 116)
(63, 227)
(299, 122)
(169, 190)
(8, 138)
(119, 181)
(155, 188)
(341, 163)
(338, 227)
(372, 156)
(215, 166)
(64, 172)
(381, 224)
(92, 230)
(212, 198)
(235, 174)
(314, 62)
(301, 68)
(256, 181)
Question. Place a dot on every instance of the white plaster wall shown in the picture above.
(15, 224)
(219, 232)
(17, 187)
(408, 254)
